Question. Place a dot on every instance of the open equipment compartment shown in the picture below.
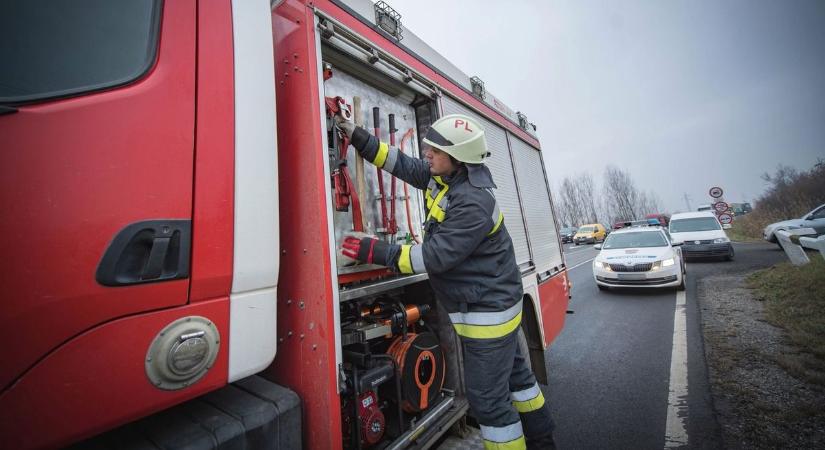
(400, 357)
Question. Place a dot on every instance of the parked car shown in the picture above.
(703, 208)
(663, 219)
(740, 209)
(814, 219)
(567, 234)
(639, 257)
(702, 235)
(590, 234)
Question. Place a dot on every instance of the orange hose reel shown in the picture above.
(421, 367)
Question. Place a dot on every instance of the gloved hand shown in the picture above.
(347, 126)
(356, 247)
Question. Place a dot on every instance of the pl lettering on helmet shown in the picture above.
(459, 122)
(460, 136)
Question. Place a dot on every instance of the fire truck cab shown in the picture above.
(173, 194)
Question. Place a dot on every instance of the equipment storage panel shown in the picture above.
(347, 86)
(541, 225)
(502, 168)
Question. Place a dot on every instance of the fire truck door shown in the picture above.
(96, 168)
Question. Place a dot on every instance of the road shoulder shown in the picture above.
(758, 404)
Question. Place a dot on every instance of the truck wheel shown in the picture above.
(523, 348)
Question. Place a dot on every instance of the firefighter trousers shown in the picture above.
(504, 395)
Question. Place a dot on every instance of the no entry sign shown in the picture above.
(720, 206)
(725, 219)
(715, 192)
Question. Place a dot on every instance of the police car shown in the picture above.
(639, 257)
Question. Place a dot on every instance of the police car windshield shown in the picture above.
(635, 240)
(694, 224)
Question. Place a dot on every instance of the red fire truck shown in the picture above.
(173, 195)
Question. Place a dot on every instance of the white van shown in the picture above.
(701, 234)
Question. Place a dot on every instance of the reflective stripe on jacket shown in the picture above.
(467, 251)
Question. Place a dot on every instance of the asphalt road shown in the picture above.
(611, 371)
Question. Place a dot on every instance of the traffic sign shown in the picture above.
(725, 219)
(715, 192)
(720, 206)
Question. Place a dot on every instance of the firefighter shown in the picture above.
(469, 258)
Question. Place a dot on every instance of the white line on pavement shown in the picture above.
(582, 263)
(677, 408)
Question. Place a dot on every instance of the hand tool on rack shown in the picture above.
(376, 117)
(392, 226)
(360, 180)
(342, 183)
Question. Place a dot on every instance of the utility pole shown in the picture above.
(687, 202)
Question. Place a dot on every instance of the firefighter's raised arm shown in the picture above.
(413, 171)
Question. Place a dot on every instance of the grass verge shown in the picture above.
(738, 233)
(795, 301)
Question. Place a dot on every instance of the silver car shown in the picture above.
(814, 219)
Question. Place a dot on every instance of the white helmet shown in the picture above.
(460, 137)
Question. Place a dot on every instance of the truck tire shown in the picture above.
(523, 348)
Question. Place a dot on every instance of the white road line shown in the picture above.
(677, 408)
(582, 263)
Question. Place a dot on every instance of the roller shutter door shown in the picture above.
(541, 227)
(502, 169)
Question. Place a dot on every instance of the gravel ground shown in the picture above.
(758, 404)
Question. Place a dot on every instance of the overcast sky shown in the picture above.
(683, 94)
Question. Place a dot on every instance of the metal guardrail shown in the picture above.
(793, 241)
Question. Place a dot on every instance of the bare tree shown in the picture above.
(620, 197)
(585, 196)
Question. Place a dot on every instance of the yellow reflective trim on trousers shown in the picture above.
(497, 225)
(381, 157)
(488, 331)
(404, 261)
(531, 405)
(515, 444)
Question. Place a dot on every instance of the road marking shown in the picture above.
(582, 263)
(677, 408)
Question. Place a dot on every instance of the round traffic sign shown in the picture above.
(715, 192)
(720, 206)
(725, 219)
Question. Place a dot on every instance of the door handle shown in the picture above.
(146, 252)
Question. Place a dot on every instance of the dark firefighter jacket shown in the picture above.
(466, 252)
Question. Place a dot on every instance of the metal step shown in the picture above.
(250, 414)
(470, 442)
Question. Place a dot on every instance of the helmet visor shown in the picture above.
(436, 138)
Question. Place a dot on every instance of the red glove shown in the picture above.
(359, 249)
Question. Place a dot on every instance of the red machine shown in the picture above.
(173, 193)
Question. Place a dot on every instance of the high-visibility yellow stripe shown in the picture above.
(516, 444)
(437, 213)
(530, 405)
(435, 210)
(381, 157)
(488, 331)
(497, 225)
(404, 261)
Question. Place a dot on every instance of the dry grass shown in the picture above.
(795, 301)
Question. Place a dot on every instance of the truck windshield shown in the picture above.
(694, 224)
(635, 240)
